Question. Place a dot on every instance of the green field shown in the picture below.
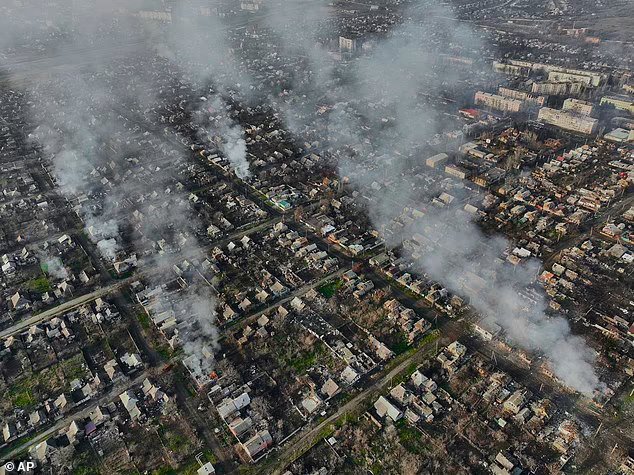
(329, 289)
(40, 285)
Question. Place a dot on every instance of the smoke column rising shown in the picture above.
(54, 266)
(449, 247)
(81, 123)
(376, 115)
(213, 119)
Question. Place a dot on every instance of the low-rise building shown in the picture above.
(386, 408)
(258, 443)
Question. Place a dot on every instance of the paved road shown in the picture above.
(296, 293)
(305, 440)
(60, 309)
(23, 325)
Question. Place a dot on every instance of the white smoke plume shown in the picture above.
(456, 253)
(80, 121)
(214, 119)
(108, 248)
(235, 148)
(54, 266)
(74, 118)
(201, 45)
(377, 115)
(374, 130)
(200, 337)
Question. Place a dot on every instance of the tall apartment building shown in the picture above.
(347, 44)
(510, 69)
(578, 107)
(557, 88)
(568, 120)
(596, 78)
(561, 76)
(457, 171)
(497, 102)
(625, 103)
(437, 160)
(523, 96)
(155, 15)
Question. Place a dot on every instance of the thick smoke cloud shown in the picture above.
(200, 338)
(198, 41)
(88, 119)
(235, 148)
(456, 253)
(214, 119)
(54, 267)
(373, 129)
(377, 128)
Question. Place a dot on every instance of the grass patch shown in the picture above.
(173, 440)
(405, 375)
(209, 456)
(192, 466)
(78, 265)
(429, 338)
(176, 442)
(167, 470)
(302, 362)
(445, 386)
(305, 359)
(86, 470)
(39, 285)
(185, 382)
(376, 468)
(21, 394)
(144, 320)
(426, 340)
(50, 381)
(325, 432)
(21, 397)
(410, 438)
(330, 288)
(165, 351)
(85, 465)
(75, 367)
(406, 290)
(400, 345)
